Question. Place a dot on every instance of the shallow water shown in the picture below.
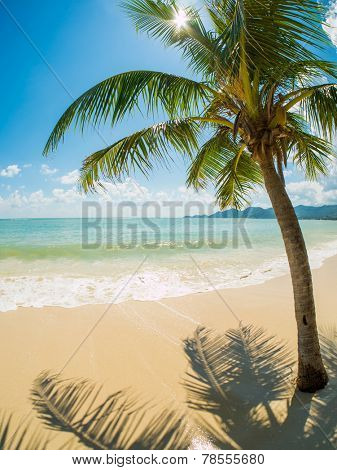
(71, 262)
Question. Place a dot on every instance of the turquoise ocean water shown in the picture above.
(71, 262)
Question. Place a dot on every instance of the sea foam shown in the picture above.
(191, 273)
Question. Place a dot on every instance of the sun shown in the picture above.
(181, 19)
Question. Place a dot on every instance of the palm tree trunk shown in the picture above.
(311, 372)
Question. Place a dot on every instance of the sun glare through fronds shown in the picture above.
(181, 19)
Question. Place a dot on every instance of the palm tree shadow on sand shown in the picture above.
(245, 380)
(74, 408)
(240, 395)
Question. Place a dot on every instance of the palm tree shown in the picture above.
(263, 97)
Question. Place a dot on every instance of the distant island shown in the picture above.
(303, 213)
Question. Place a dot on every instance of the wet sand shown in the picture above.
(139, 344)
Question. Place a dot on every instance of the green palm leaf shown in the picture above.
(256, 66)
(208, 162)
(320, 109)
(119, 95)
(134, 152)
(310, 152)
(158, 19)
(238, 177)
(223, 161)
(275, 33)
(300, 75)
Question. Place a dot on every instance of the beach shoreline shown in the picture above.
(48, 266)
(139, 344)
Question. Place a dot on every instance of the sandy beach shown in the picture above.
(139, 344)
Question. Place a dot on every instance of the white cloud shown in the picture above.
(131, 191)
(312, 193)
(38, 199)
(47, 171)
(315, 193)
(260, 198)
(17, 200)
(186, 195)
(66, 196)
(179, 201)
(331, 20)
(128, 190)
(70, 178)
(60, 203)
(10, 171)
(67, 202)
(27, 165)
(307, 193)
(176, 202)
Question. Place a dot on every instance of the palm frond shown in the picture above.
(121, 94)
(158, 18)
(300, 75)
(237, 179)
(223, 162)
(207, 164)
(139, 151)
(259, 61)
(219, 22)
(311, 153)
(320, 109)
(116, 423)
(275, 33)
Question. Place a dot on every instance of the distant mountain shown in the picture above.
(303, 212)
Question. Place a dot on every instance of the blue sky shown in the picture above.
(51, 53)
